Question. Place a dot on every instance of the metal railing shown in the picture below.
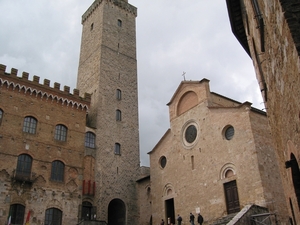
(24, 176)
(264, 219)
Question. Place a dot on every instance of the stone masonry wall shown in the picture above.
(41, 193)
(278, 66)
(107, 63)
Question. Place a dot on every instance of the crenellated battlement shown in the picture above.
(121, 3)
(11, 80)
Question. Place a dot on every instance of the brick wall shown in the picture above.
(41, 192)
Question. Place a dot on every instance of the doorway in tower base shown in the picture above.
(116, 212)
(170, 212)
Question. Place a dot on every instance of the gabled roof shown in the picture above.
(161, 140)
(186, 82)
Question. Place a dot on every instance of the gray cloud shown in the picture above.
(43, 38)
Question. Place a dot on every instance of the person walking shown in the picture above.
(179, 219)
(162, 222)
(192, 219)
(200, 219)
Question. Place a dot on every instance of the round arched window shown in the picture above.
(229, 173)
(190, 133)
(229, 132)
(163, 161)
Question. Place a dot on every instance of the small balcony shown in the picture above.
(24, 177)
(88, 187)
(92, 222)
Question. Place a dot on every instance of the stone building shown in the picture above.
(269, 33)
(216, 158)
(42, 131)
(108, 71)
(74, 158)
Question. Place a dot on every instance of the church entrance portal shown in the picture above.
(170, 212)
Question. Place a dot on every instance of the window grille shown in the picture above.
(57, 171)
(29, 125)
(17, 212)
(90, 140)
(24, 166)
(60, 133)
(53, 216)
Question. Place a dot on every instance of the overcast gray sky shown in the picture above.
(42, 37)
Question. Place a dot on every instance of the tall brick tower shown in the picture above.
(108, 71)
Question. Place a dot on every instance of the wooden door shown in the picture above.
(232, 197)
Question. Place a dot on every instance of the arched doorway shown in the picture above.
(232, 197)
(86, 211)
(295, 176)
(116, 212)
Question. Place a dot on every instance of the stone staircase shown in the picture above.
(246, 215)
(224, 220)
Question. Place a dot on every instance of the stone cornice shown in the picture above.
(120, 3)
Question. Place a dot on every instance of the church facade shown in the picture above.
(216, 158)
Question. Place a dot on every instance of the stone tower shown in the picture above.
(108, 71)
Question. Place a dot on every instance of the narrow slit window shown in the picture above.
(120, 23)
(117, 149)
(1, 115)
(118, 115)
(192, 161)
(119, 94)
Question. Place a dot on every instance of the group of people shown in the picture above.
(192, 220)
